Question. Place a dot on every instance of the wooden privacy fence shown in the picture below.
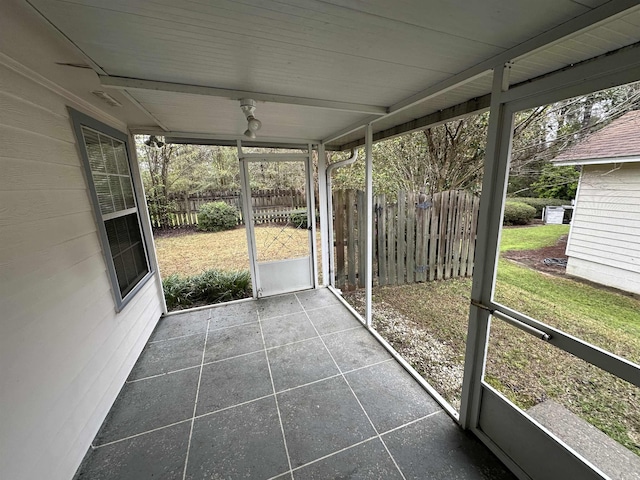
(269, 206)
(417, 238)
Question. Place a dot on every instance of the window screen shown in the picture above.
(110, 180)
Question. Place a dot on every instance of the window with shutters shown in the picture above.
(106, 160)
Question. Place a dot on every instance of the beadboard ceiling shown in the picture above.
(364, 55)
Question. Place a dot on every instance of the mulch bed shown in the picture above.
(535, 258)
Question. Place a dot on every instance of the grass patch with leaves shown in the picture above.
(189, 253)
(606, 318)
(209, 287)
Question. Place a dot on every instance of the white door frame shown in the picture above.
(261, 286)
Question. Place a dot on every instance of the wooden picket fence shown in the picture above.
(269, 206)
(418, 238)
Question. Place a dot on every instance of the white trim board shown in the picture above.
(598, 161)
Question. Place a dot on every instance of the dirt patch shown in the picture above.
(535, 259)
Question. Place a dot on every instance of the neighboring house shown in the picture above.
(604, 244)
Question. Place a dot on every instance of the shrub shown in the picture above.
(211, 286)
(518, 213)
(177, 292)
(298, 218)
(217, 216)
(539, 203)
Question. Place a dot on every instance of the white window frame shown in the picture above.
(80, 120)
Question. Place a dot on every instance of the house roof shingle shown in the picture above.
(621, 138)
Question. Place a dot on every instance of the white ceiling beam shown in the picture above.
(126, 83)
(230, 143)
(199, 136)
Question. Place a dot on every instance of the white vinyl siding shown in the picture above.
(64, 350)
(604, 245)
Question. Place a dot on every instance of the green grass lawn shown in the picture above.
(606, 318)
(191, 253)
(531, 238)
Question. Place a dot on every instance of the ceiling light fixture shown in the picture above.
(248, 107)
(153, 141)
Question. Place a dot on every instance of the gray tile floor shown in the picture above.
(285, 387)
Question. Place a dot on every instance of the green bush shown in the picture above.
(518, 213)
(211, 286)
(298, 218)
(217, 216)
(539, 203)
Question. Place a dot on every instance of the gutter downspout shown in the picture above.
(330, 169)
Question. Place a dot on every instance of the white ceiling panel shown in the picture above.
(606, 37)
(342, 55)
(495, 22)
(373, 52)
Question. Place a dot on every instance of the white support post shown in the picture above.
(369, 206)
(325, 223)
(487, 241)
(247, 214)
(311, 215)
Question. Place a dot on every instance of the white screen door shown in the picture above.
(277, 199)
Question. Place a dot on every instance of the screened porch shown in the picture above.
(292, 384)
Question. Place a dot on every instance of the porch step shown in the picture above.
(601, 450)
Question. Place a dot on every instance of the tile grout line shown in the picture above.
(354, 395)
(332, 376)
(232, 358)
(368, 366)
(163, 340)
(202, 415)
(253, 353)
(429, 415)
(363, 441)
(198, 333)
(196, 366)
(96, 447)
(195, 404)
(311, 338)
(268, 319)
(162, 374)
(315, 309)
(341, 331)
(275, 396)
